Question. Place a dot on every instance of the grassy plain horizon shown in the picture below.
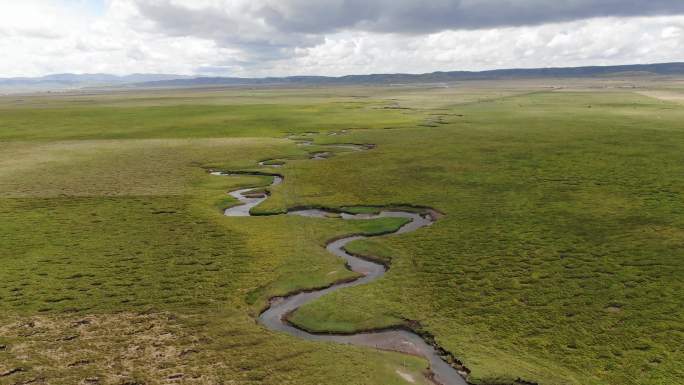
(558, 260)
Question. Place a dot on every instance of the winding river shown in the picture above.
(398, 340)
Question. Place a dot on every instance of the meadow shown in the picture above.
(558, 259)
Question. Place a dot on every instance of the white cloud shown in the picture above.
(602, 41)
(241, 38)
(83, 43)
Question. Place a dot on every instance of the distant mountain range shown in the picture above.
(70, 81)
(73, 81)
(434, 77)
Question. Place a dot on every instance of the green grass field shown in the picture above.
(559, 261)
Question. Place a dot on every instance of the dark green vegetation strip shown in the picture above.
(559, 260)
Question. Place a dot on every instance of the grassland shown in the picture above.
(558, 260)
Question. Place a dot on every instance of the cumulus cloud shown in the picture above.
(228, 23)
(333, 37)
(272, 30)
(604, 41)
(305, 17)
(82, 43)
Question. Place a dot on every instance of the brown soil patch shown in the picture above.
(103, 349)
(670, 96)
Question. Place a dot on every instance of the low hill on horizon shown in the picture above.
(76, 81)
(662, 69)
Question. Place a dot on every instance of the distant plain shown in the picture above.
(559, 259)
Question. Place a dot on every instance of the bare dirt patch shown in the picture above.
(407, 377)
(102, 349)
(670, 96)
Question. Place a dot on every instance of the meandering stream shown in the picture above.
(274, 318)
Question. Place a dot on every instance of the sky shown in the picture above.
(254, 38)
